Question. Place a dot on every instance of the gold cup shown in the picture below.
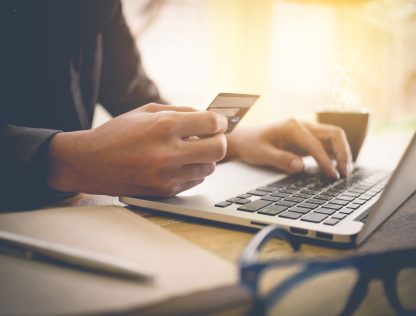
(354, 123)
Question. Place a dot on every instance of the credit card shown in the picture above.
(233, 105)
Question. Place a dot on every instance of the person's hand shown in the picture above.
(155, 150)
(281, 145)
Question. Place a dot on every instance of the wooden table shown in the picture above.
(227, 241)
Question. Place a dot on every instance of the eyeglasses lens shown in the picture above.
(406, 288)
(323, 294)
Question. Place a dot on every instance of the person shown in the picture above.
(60, 58)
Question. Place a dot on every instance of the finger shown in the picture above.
(156, 107)
(308, 142)
(204, 150)
(281, 159)
(201, 123)
(196, 171)
(338, 143)
(188, 185)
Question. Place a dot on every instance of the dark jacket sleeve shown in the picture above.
(23, 159)
(124, 83)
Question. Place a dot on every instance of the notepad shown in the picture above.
(30, 287)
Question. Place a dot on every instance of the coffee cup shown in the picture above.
(354, 123)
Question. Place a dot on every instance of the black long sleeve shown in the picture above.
(124, 83)
(23, 167)
(58, 60)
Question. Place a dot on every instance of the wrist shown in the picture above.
(232, 146)
(64, 157)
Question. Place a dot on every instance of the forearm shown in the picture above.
(64, 158)
(234, 142)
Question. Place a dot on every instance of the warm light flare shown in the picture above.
(299, 55)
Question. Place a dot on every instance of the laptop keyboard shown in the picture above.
(311, 197)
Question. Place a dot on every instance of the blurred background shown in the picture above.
(299, 55)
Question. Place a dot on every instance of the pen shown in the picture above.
(32, 248)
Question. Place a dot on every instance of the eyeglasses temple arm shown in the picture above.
(253, 248)
(356, 297)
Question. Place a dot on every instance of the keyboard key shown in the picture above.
(314, 217)
(267, 189)
(287, 191)
(371, 193)
(233, 200)
(258, 193)
(339, 216)
(327, 211)
(366, 197)
(363, 187)
(303, 196)
(254, 206)
(294, 199)
(223, 204)
(339, 202)
(331, 222)
(349, 193)
(272, 210)
(280, 195)
(308, 205)
(346, 210)
(300, 210)
(335, 194)
(335, 190)
(332, 192)
(317, 187)
(244, 196)
(270, 198)
(353, 206)
(290, 215)
(360, 201)
(243, 201)
(311, 192)
(316, 201)
(297, 186)
(332, 206)
(285, 203)
(356, 190)
(345, 197)
(373, 190)
(324, 197)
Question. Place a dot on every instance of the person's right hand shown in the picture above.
(155, 150)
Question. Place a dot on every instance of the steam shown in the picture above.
(343, 97)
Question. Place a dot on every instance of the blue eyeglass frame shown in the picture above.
(366, 265)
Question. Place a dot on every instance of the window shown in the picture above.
(299, 55)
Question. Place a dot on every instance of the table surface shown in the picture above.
(227, 241)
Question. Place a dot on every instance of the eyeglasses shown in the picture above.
(351, 277)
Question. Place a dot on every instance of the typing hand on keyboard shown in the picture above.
(282, 145)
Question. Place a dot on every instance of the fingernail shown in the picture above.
(296, 165)
(344, 170)
(350, 168)
(336, 174)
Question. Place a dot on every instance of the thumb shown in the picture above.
(283, 160)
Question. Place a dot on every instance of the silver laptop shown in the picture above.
(306, 204)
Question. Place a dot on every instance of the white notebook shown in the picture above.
(32, 287)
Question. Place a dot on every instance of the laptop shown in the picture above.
(344, 211)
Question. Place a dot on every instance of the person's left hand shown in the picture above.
(281, 146)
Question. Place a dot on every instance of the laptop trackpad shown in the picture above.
(232, 178)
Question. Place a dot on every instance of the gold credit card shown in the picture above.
(233, 105)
